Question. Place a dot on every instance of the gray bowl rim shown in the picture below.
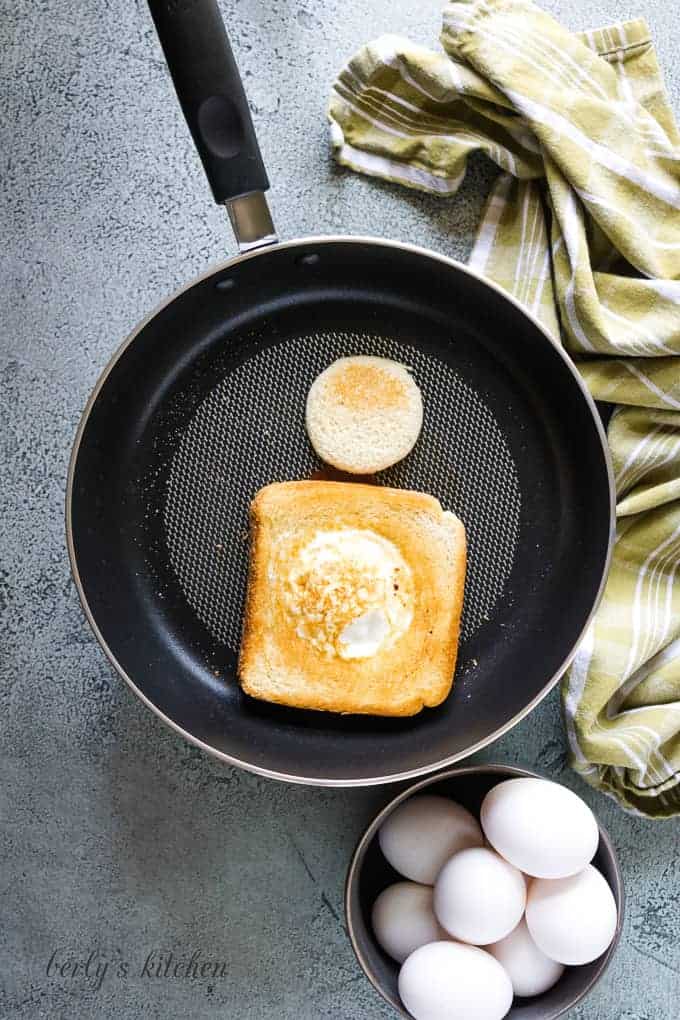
(510, 772)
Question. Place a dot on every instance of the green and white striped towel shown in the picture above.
(583, 226)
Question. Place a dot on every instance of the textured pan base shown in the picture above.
(250, 430)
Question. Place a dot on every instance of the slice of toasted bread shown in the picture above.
(281, 660)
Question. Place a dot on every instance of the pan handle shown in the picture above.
(210, 92)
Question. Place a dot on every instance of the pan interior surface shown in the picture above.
(250, 429)
(206, 405)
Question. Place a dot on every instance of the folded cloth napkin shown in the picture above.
(583, 227)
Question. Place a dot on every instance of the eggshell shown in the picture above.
(572, 920)
(403, 919)
(450, 981)
(422, 833)
(541, 827)
(529, 969)
(479, 897)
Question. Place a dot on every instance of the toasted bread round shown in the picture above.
(364, 414)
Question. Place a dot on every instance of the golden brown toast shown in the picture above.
(303, 591)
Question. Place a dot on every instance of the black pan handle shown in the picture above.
(210, 92)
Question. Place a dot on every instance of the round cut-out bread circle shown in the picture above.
(364, 414)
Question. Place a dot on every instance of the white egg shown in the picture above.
(449, 981)
(403, 919)
(423, 832)
(479, 897)
(572, 920)
(541, 827)
(530, 970)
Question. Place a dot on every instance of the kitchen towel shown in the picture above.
(583, 227)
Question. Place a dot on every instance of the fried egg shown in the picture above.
(349, 592)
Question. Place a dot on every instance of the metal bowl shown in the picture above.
(369, 873)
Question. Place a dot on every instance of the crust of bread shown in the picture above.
(276, 665)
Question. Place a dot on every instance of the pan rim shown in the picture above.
(324, 781)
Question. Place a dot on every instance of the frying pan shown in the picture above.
(204, 403)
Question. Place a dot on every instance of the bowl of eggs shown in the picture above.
(481, 893)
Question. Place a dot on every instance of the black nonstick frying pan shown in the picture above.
(204, 403)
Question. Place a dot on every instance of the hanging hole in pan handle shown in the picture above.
(210, 91)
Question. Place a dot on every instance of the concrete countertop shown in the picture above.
(117, 837)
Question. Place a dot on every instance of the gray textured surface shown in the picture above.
(117, 836)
